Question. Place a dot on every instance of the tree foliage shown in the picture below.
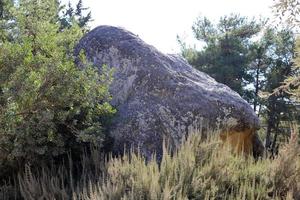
(288, 11)
(260, 60)
(71, 16)
(225, 53)
(279, 106)
(48, 106)
(5, 15)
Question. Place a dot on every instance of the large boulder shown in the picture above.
(161, 96)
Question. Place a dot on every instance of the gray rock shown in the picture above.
(160, 95)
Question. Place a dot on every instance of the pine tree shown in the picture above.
(259, 67)
(225, 53)
(278, 105)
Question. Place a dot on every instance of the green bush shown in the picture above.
(48, 106)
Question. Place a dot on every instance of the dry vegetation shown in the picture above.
(198, 170)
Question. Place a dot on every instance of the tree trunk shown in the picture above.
(271, 123)
(268, 135)
(255, 103)
(273, 149)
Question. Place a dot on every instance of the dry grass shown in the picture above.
(197, 170)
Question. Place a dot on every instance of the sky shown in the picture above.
(158, 22)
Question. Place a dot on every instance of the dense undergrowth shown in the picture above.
(198, 170)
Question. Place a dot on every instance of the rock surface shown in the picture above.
(160, 95)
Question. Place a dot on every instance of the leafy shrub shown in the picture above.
(48, 106)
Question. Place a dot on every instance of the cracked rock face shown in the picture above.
(160, 95)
